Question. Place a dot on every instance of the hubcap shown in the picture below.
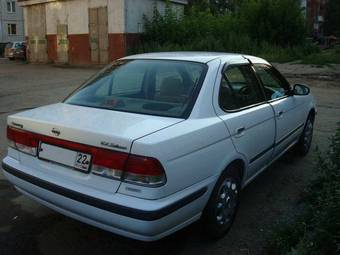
(227, 201)
(307, 140)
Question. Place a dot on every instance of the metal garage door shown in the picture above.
(98, 29)
(36, 28)
(62, 43)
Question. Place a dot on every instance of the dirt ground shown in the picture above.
(29, 228)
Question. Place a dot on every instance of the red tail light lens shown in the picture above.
(144, 170)
(108, 163)
(22, 140)
(129, 168)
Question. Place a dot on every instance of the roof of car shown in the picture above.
(202, 57)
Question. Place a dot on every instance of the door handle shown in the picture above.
(240, 131)
(279, 114)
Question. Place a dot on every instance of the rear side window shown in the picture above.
(155, 87)
(239, 88)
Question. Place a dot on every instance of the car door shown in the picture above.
(288, 114)
(247, 115)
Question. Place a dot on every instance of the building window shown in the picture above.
(12, 29)
(11, 6)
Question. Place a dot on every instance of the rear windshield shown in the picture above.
(19, 45)
(155, 87)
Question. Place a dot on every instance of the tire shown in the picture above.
(305, 142)
(219, 214)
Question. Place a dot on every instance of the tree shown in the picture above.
(223, 6)
(332, 18)
(199, 4)
(277, 21)
(217, 7)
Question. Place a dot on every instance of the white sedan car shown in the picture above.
(155, 142)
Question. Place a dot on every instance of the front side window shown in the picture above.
(12, 29)
(155, 87)
(10, 6)
(239, 88)
(274, 86)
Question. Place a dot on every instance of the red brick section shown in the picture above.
(120, 43)
(52, 48)
(117, 46)
(79, 49)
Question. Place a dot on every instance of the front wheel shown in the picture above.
(305, 142)
(221, 209)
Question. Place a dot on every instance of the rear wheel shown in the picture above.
(305, 142)
(221, 209)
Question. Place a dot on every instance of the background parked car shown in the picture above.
(20, 51)
(12, 47)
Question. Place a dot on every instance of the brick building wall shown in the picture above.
(83, 32)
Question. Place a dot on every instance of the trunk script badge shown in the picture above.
(113, 145)
(55, 132)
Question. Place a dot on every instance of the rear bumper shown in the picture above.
(132, 221)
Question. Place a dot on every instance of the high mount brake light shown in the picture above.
(106, 163)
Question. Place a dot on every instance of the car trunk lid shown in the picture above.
(78, 127)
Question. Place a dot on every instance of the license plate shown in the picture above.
(82, 162)
(77, 160)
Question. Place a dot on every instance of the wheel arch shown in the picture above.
(236, 165)
(312, 113)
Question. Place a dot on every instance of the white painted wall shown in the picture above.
(116, 19)
(75, 14)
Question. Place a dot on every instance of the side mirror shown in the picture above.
(300, 90)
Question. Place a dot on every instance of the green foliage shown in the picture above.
(317, 230)
(279, 22)
(330, 56)
(217, 7)
(274, 28)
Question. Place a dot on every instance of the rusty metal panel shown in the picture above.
(36, 28)
(103, 35)
(62, 43)
(98, 33)
(94, 35)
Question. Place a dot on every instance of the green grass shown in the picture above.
(326, 57)
(317, 228)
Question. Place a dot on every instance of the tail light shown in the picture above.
(106, 163)
(109, 164)
(144, 170)
(129, 168)
(21, 140)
